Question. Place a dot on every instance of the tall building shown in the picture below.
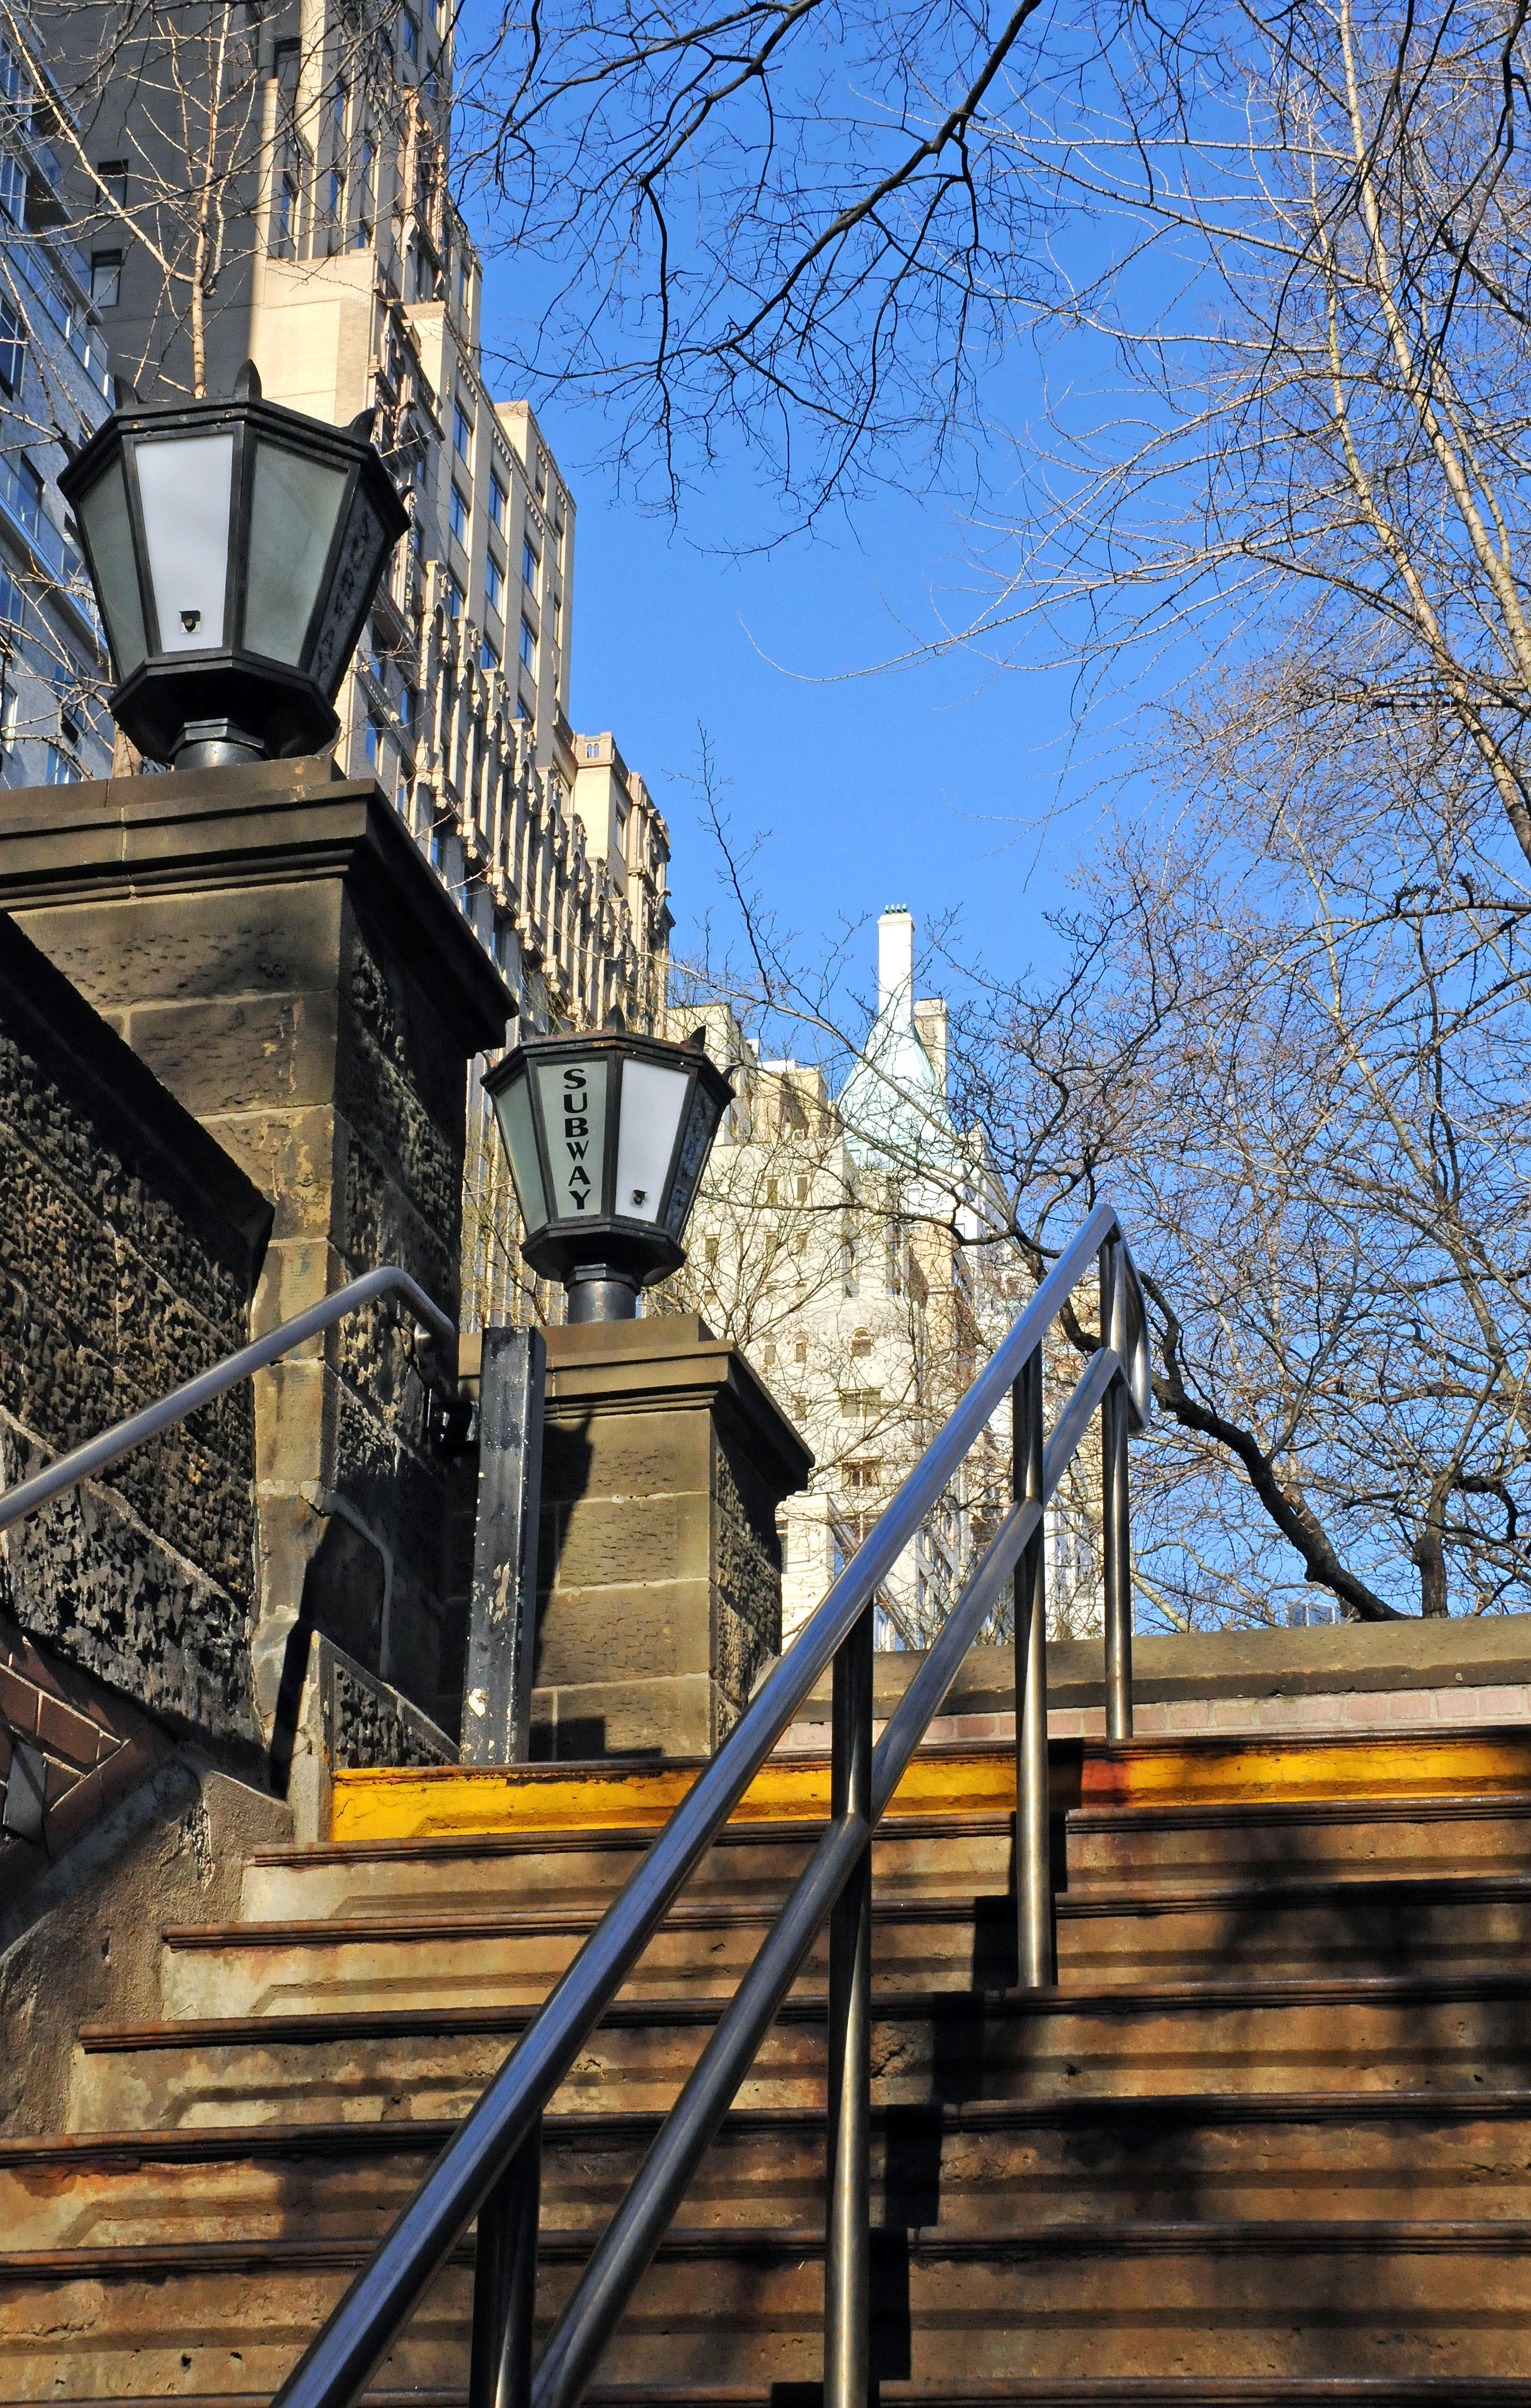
(276, 189)
(53, 377)
(838, 1239)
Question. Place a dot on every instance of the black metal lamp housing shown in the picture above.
(235, 547)
(606, 1136)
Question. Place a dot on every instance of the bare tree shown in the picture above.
(788, 221)
(1309, 272)
(1292, 1045)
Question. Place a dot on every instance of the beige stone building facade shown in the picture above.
(838, 1241)
(279, 192)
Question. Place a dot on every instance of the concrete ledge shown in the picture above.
(1350, 1657)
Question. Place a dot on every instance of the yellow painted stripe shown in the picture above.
(445, 1799)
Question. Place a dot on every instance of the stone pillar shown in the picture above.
(659, 1571)
(271, 943)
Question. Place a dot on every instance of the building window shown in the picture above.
(364, 202)
(457, 512)
(529, 564)
(12, 188)
(105, 277)
(60, 771)
(67, 690)
(528, 644)
(374, 739)
(338, 111)
(112, 177)
(497, 500)
(542, 478)
(22, 490)
(337, 196)
(462, 431)
(287, 203)
(409, 35)
(12, 345)
(12, 608)
(409, 706)
(455, 598)
(593, 751)
(495, 583)
(489, 659)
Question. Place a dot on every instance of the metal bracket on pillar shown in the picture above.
(502, 1623)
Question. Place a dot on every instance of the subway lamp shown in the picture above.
(235, 547)
(606, 1136)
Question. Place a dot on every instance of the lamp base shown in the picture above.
(600, 1292)
(215, 744)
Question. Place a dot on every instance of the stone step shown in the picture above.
(1020, 2391)
(1349, 2156)
(1114, 1848)
(1242, 1770)
(1070, 2301)
(513, 1957)
(1249, 2035)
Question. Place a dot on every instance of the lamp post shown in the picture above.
(235, 547)
(606, 1136)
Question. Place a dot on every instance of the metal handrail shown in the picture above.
(82, 1462)
(490, 2168)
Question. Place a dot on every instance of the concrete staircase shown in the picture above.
(1269, 2139)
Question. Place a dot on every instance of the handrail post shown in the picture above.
(1116, 1500)
(848, 2245)
(504, 2281)
(1036, 1968)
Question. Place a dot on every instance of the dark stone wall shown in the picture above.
(273, 947)
(129, 1249)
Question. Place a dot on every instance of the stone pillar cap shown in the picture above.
(664, 1364)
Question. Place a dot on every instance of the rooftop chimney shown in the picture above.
(895, 963)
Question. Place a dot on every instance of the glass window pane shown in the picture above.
(652, 1100)
(701, 1127)
(292, 520)
(183, 486)
(573, 1099)
(364, 548)
(514, 1109)
(104, 521)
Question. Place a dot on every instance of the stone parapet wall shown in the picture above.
(129, 1248)
(1404, 1675)
(272, 946)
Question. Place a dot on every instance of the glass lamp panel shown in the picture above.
(183, 491)
(572, 1094)
(362, 548)
(701, 1129)
(294, 509)
(652, 1101)
(513, 1110)
(103, 514)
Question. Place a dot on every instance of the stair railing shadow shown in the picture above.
(492, 2168)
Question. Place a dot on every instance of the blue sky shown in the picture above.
(919, 787)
